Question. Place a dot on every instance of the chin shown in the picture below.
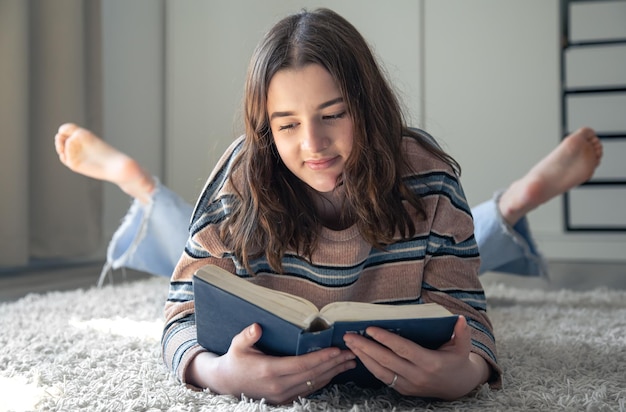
(325, 188)
(321, 189)
(323, 185)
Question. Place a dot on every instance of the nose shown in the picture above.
(314, 139)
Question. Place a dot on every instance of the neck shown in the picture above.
(331, 208)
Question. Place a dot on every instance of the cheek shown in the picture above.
(348, 142)
(285, 150)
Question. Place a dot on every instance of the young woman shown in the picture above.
(154, 231)
(330, 196)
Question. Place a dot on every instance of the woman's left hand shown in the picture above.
(449, 372)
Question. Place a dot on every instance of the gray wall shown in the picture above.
(14, 121)
(481, 75)
(209, 45)
(46, 73)
(133, 90)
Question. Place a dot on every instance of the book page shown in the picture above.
(358, 311)
(292, 308)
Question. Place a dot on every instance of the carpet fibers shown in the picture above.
(98, 350)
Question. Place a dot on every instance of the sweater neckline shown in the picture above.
(340, 235)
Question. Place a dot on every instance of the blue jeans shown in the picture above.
(152, 238)
(505, 248)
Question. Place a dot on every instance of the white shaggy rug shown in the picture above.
(98, 350)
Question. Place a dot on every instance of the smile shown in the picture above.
(320, 164)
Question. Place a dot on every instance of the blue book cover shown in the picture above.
(225, 304)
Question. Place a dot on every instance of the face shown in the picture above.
(310, 124)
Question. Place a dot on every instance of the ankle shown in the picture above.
(513, 204)
(137, 183)
(147, 187)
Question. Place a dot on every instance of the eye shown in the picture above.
(286, 127)
(337, 116)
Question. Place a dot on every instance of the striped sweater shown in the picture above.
(439, 264)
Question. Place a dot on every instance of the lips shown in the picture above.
(320, 164)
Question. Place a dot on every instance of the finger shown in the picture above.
(321, 375)
(317, 368)
(322, 372)
(326, 376)
(400, 346)
(378, 359)
(246, 339)
(303, 367)
(273, 386)
(461, 341)
(305, 374)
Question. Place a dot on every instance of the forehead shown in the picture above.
(308, 85)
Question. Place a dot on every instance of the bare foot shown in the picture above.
(570, 164)
(85, 153)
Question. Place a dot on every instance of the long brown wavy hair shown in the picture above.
(275, 211)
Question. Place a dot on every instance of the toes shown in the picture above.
(67, 128)
(59, 143)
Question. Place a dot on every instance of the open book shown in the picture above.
(225, 304)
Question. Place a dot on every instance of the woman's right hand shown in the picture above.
(246, 370)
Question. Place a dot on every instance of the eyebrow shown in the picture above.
(321, 106)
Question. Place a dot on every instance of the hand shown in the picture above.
(245, 369)
(446, 373)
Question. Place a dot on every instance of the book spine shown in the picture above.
(312, 341)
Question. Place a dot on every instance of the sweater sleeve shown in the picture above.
(450, 275)
(179, 340)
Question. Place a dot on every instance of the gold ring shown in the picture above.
(393, 382)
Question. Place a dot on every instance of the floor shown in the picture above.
(563, 275)
(16, 285)
(579, 275)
